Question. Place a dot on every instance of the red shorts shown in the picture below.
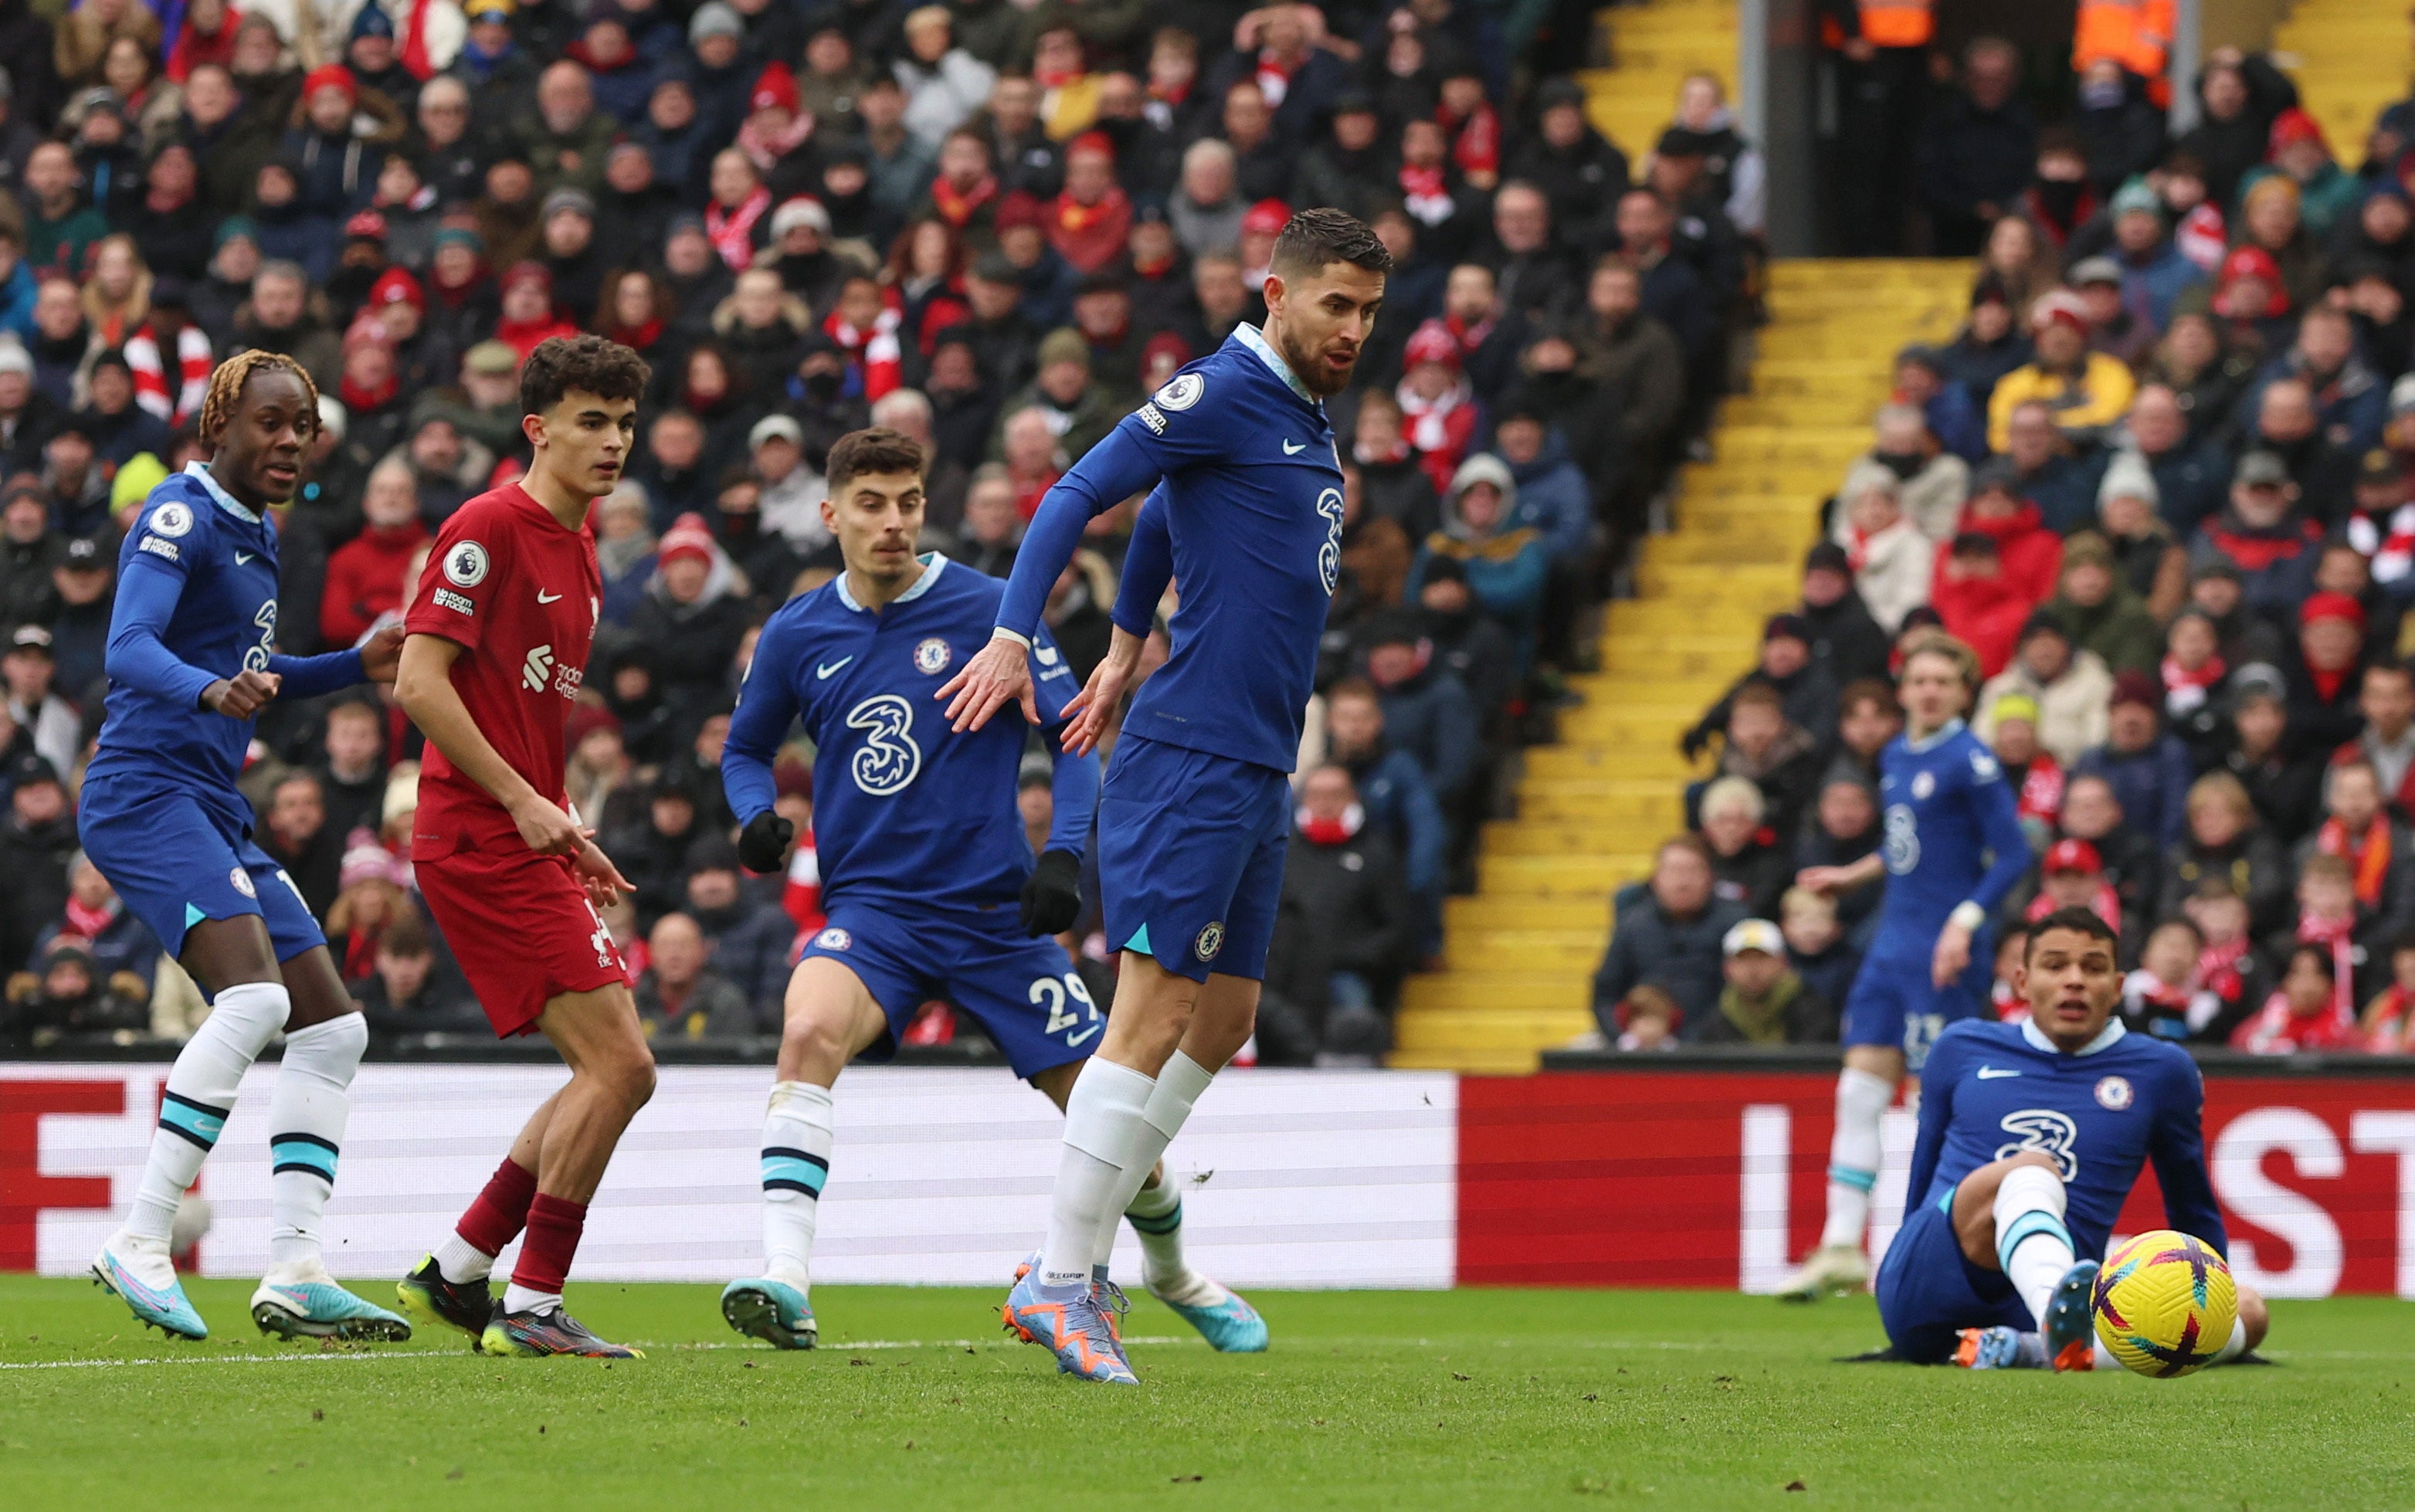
(523, 930)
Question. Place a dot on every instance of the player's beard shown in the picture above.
(1311, 368)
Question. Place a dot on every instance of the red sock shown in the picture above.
(554, 1224)
(496, 1218)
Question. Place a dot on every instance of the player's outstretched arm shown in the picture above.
(377, 659)
(425, 689)
(1108, 473)
(1998, 812)
(1841, 878)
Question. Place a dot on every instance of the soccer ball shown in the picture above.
(2165, 1303)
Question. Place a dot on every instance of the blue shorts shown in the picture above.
(1023, 992)
(1894, 1004)
(176, 859)
(1929, 1290)
(1190, 857)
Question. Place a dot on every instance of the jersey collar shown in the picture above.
(224, 500)
(2105, 1039)
(933, 564)
(1252, 337)
(1931, 742)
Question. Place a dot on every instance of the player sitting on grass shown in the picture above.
(193, 660)
(928, 879)
(2031, 1134)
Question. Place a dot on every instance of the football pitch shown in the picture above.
(1377, 1399)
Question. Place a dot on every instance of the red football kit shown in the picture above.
(520, 594)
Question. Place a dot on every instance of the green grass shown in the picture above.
(1377, 1399)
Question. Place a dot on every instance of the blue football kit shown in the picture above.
(159, 813)
(921, 848)
(1992, 1090)
(1951, 834)
(1196, 810)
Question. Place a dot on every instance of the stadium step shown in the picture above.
(2350, 59)
(1591, 809)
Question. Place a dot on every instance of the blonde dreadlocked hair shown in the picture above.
(226, 388)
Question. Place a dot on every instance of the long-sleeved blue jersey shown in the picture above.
(1952, 834)
(1991, 1090)
(1252, 517)
(906, 811)
(196, 602)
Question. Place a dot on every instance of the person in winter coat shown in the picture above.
(1976, 601)
(1399, 800)
(37, 837)
(1443, 414)
(2088, 390)
(1343, 902)
(1845, 637)
(691, 620)
(1808, 689)
(1507, 566)
(2031, 553)
(2149, 770)
(2147, 558)
(2071, 689)
(1762, 1001)
(1667, 934)
(1748, 866)
(1893, 561)
(1553, 498)
(2101, 613)
(337, 140)
(365, 575)
(2227, 840)
(1427, 712)
(1930, 485)
(2262, 536)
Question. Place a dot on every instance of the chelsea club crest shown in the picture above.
(931, 657)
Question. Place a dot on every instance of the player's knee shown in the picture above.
(815, 1037)
(629, 1075)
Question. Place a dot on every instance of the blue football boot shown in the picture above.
(1230, 1324)
(2070, 1319)
(143, 1276)
(1073, 1328)
(314, 1307)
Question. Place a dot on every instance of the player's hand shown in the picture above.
(547, 829)
(381, 655)
(763, 845)
(603, 880)
(1953, 956)
(998, 672)
(242, 695)
(1052, 899)
(1087, 711)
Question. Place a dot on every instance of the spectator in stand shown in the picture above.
(1748, 867)
(1347, 922)
(2035, 776)
(2261, 537)
(2228, 840)
(2131, 860)
(1473, 646)
(1668, 934)
(2163, 997)
(2100, 611)
(1844, 637)
(2149, 770)
(2289, 424)
(679, 998)
(2087, 391)
(1427, 711)
(2147, 558)
(1508, 566)
(37, 838)
(1762, 999)
(2304, 1014)
(2072, 690)
(1923, 382)
(1399, 800)
(364, 575)
(65, 998)
(1785, 664)
(1844, 827)
(2323, 678)
(28, 668)
(1780, 758)
(118, 942)
(2195, 683)
(2377, 848)
(2387, 1026)
(751, 940)
(1815, 946)
(690, 620)
(1930, 485)
(1976, 152)
(2386, 698)
(1893, 562)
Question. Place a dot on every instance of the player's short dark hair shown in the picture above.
(2080, 920)
(1316, 237)
(580, 365)
(875, 451)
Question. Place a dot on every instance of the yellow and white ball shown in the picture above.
(2165, 1303)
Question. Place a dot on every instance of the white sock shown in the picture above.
(520, 1300)
(796, 1140)
(2032, 1244)
(1862, 1099)
(307, 1110)
(460, 1262)
(1180, 1082)
(2236, 1345)
(200, 1093)
(1156, 1216)
(1105, 1129)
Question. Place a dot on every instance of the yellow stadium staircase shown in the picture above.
(2350, 58)
(1519, 954)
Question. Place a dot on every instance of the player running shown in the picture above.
(1197, 807)
(1953, 849)
(499, 631)
(193, 660)
(930, 886)
(2031, 1135)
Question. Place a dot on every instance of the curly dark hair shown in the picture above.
(1316, 237)
(872, 453)
(581, 364)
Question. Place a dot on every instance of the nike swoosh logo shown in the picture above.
(1293, 448)
(821, 673)
(240, 558)
(544, 597)
(1990, 1073)
(1072, 1039)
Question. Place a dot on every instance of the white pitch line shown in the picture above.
(366, 1356)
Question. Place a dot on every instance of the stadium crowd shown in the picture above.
(993, 224)
(2159, 482)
